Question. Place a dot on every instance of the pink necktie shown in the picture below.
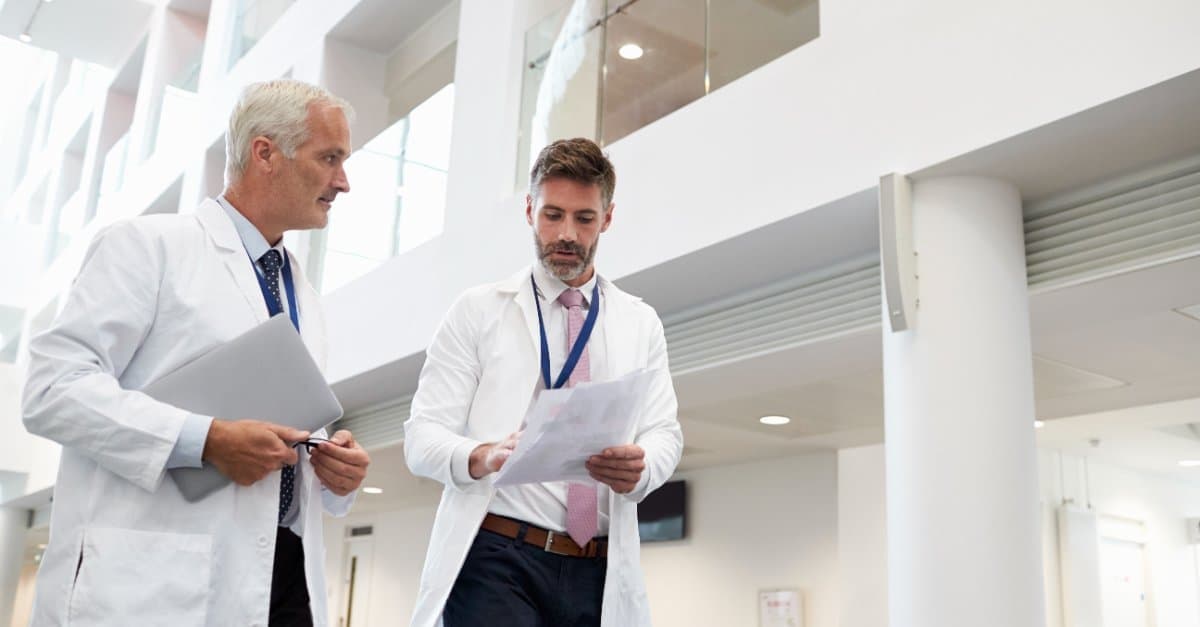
(582, 513)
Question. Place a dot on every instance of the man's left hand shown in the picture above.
(618, 467)
(340, 464)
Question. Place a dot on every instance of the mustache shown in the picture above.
(563, 247)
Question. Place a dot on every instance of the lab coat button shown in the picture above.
(262, 541)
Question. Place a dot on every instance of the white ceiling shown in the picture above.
(382, 25)
(97, 31)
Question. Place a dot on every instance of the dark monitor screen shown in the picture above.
(661, 515)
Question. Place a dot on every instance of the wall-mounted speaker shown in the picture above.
(897, 259)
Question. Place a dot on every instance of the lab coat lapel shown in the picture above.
(522, 289)
(225, 237)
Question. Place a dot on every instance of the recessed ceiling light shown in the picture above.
(1038, 424)
(1190, 463)
(774, 421)
(372, 490)
(630, 51)
(25, 37)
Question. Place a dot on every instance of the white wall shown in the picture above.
(768, 524)
(1161, 503)
(862, 537)
(400, 541)
(756, 526)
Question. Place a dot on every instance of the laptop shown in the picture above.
(264, 374)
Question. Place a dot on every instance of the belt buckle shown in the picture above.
(549, 548)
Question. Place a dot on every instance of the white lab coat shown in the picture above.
(125, 547)
(480, 374)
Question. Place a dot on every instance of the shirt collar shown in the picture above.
(252, 239)
(550, 287)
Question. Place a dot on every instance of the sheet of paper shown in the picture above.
(567, 426)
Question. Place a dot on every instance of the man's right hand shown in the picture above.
(489, 458)
(248, 450)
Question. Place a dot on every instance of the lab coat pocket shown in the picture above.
(132, 577)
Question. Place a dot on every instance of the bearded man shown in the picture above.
(552, 553)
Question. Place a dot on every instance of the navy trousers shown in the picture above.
(289, 588)
(509, 582)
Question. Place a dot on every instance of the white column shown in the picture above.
(487, 97)
(962, 501)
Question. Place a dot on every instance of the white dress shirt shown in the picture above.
(545, 504)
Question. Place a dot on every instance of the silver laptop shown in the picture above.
(264, 374)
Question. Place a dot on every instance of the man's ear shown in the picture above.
(529, 209)
(261, 150)
(608, 217)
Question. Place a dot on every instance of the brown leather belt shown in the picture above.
(549, 541)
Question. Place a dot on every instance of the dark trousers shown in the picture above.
(289, 589)
(509, 582)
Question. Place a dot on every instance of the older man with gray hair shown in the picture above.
(155, 292)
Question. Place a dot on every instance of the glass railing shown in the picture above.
(398, 195)
(71, 219)
(85, 82)
(254, 18)
(176, 118)
(179, 108)
(112, 177)
(605, 68)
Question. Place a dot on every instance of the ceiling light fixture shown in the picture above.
(1038, 424)
(774, 421)
(372, 490)
(630, 51)
(1190, 463)
(25, 35)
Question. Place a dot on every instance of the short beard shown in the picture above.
(564, 272)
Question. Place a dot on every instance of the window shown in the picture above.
(605, 68)
(397, 198)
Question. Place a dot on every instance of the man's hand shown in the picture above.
(248, 450)
(618, 467)
(340, 464)
(489, 458)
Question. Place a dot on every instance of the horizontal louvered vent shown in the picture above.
(378, 426)
(808, 309)
(1125, 226)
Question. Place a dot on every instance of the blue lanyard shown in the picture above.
(580, 342)
(273, 306)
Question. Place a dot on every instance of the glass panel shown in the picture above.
(654, 63)
(112, 177)
(560, 86)
(180, 105)
(180, 110)
(70, 221)
(398, 194)
(254, 18)
(10, 332)
(744, 35)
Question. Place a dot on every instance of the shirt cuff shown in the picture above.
(460, 464)
(189, 448)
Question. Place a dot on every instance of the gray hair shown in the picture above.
(275, 109)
